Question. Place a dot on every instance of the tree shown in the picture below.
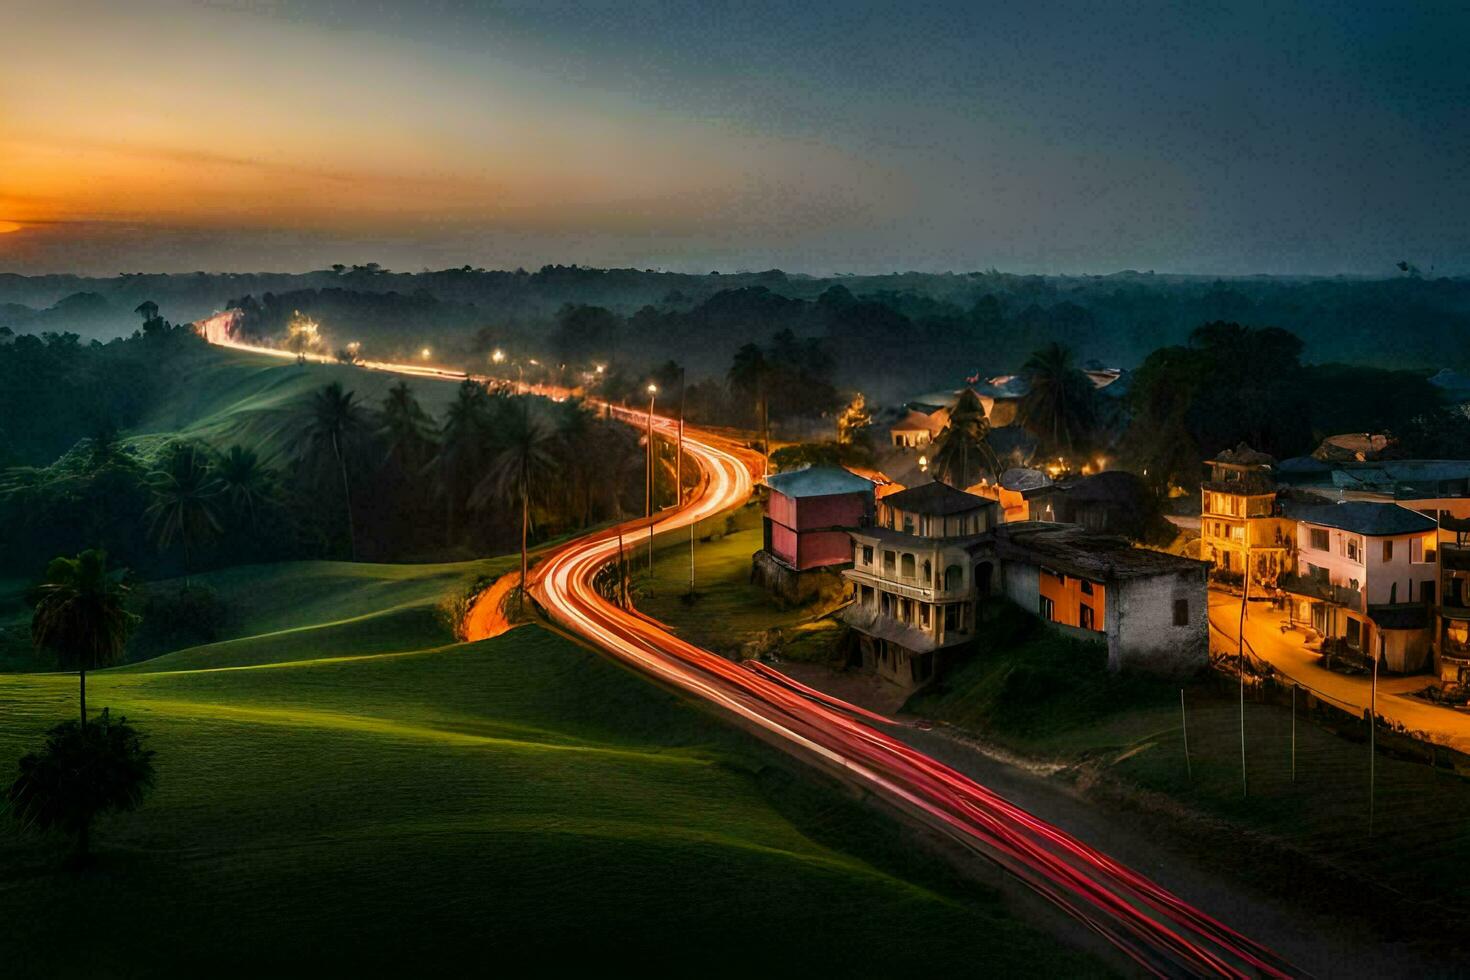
(81, 615)
(246, 484)
(335, 422)
(83, 771)
(462, 448)
(524, 456)
(1058, 408)
(185, 492)
(147, 309)
(406, 428)
(749, 373)
(962, 452)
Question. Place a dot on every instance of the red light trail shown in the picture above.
(1159, 931)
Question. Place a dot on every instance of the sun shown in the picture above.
(6, 227)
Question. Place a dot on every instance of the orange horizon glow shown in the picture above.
(6, 227)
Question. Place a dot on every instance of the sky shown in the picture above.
(1210, 138)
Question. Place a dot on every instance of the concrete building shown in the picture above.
(808, 512)
(1365, 579)
(912, 581)
(1149, 608)
(1240, 521)
(1452, 614)
(1112, 502)
(918, 428)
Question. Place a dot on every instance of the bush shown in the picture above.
(80, 774)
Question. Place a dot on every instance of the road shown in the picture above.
(1157, 930)
(1288, 653)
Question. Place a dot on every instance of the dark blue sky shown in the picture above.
(1230, 138)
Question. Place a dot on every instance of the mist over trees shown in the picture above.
(886, 335)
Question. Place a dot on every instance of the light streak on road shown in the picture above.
(1159, 931)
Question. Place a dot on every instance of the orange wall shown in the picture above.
(1067, 599)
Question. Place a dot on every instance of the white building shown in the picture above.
(1365, 579)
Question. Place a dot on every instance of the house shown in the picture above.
(1149, 608)
(918, 428)
(1365, 578)
(1011, 490)
(1240, 520)
(1112, 502)
(912, 585)
(1452, 615)
(807, 514)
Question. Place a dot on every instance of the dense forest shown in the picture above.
(886, 335)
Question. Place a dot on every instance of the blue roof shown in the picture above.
(818, 481)
(1360, 517)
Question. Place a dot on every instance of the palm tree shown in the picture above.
(406, 428)
(184, 495)
(244, 482)
(81, 615)
(1058, 407)
(461, 447)
(962, 451)
(336, 421)
(82, 772)
(524, 456)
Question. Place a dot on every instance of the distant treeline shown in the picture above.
(886, 334)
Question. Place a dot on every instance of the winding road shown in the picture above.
(1160, 932)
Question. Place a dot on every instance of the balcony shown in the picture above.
(1314, 588)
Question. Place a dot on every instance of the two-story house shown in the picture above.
(1452, 623)
(1240, 520)
(1366, 578)
(912, 581)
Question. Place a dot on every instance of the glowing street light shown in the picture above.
(497, 356)
(425, 353)
(923, 464)
(600, 368)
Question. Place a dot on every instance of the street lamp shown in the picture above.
(425, 353)
(497, 356)
(648, 497)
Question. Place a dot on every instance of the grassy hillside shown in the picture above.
(228, 396)
(343, 788)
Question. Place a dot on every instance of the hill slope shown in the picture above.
(342, 788)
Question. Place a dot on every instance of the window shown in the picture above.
(1388, 551)
(924, 614)
(867, 554)
(954, 578)
(1319, 539)
(952, 616)
(908, 524)
(890, 561)
(1426, 591)
(1318, 573)
(1048, 610)
(928, 571)
(1181, 612)
(906, 566)
(1085, 617)
(1354, 550)
(1086, 587)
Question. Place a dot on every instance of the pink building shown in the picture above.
(808, 514)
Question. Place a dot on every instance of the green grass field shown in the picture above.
(343, 788)
(728, 610)
(1051, 698)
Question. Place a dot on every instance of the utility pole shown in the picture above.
(1372, 749)
(1245, 591)
(652, 476)
(1184, 727)
(1293, 733)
